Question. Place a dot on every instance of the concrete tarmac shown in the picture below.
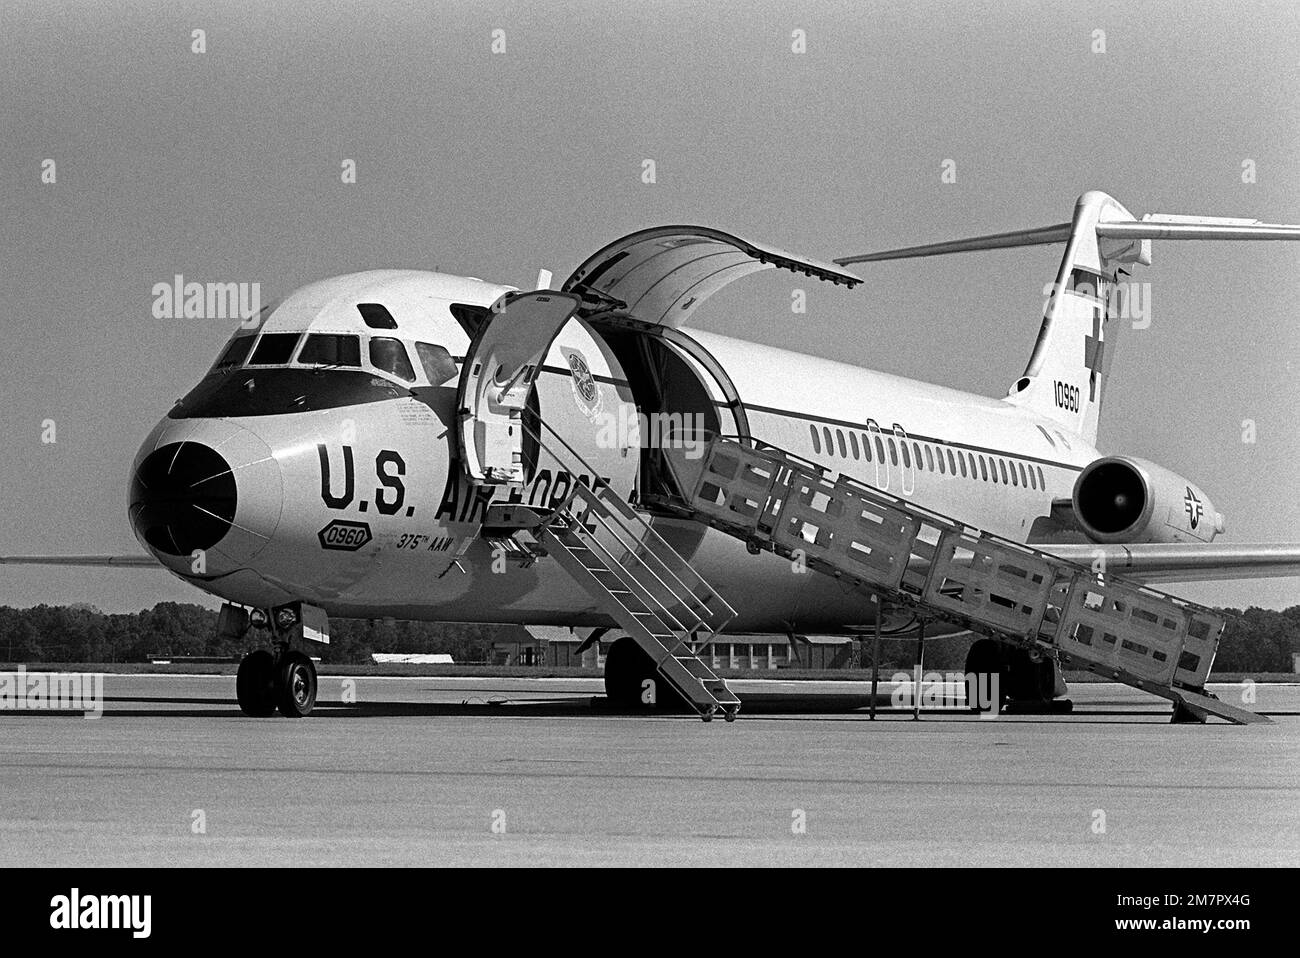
(485, 771)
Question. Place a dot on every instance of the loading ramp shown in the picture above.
(890, 548)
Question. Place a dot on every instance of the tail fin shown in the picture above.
(1065, 379)
(1066, 375)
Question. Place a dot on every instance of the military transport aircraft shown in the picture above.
(400, 443)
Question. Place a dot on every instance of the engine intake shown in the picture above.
(1126, 499)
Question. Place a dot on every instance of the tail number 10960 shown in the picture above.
(1067, 396)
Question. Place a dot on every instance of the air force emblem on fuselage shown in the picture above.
(586, 394)
(1193, 506)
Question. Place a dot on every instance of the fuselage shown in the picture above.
(319, 458)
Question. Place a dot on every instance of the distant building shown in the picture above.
(411, 658)
(1295, 662)
(761, 652)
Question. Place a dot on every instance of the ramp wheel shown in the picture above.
(296, 685)
(255, 684)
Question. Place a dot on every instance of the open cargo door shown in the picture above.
(660, 276)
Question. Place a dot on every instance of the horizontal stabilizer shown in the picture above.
(1113, 223)
(1166, 226)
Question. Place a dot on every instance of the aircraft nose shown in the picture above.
(183, 497)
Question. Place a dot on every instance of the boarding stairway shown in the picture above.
(635, 577)
(944, 569)
(902, 553)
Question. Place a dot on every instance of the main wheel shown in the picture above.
(633, 682)
(295, 685)
(984, 661)
(1027, 680)
(255, 684)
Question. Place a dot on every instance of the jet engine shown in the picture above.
(1126, 499)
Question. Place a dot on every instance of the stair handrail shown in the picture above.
(655, 544)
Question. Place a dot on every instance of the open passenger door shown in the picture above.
(497, 377)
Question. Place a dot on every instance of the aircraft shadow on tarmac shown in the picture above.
(769, 705)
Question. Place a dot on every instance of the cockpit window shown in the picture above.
(327, 349)
(390, 356)
(236, 351)
(376, 316)
(274, 349)
(470, 317)
(438, 365)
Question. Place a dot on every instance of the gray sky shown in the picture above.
(225, 166)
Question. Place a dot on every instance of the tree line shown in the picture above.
(1257, 640)
(80, 633)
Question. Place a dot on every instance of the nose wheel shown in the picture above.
(266, 683)
(296, 685)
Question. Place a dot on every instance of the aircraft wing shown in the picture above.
(126, 562)
(1185, 562)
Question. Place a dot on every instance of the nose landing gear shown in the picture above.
(284, 678)
(255, 684)
(296, 685)
(267, 682)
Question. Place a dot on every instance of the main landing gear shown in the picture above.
(267, 682)
(633, 683)
(1026, 684)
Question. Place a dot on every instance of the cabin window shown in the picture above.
(1015, 480)
(929, 459)
(274, 349)
(1042, 483)
(1002, 468)
(826, 435)
(962, 460)
(866, 447)
(880, 451)
(853, 442)
(376, 316)
(844, 451)
(817, 440)
(327, 349)
(438, 365)
(236, 351)
(984, 469)
(907, 459)
(974, 472)
(942, 468)
(916, 454)
(1023, 480)
(893, 452)
(389, 355)
(952, 465)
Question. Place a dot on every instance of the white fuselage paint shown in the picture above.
(406, 570)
